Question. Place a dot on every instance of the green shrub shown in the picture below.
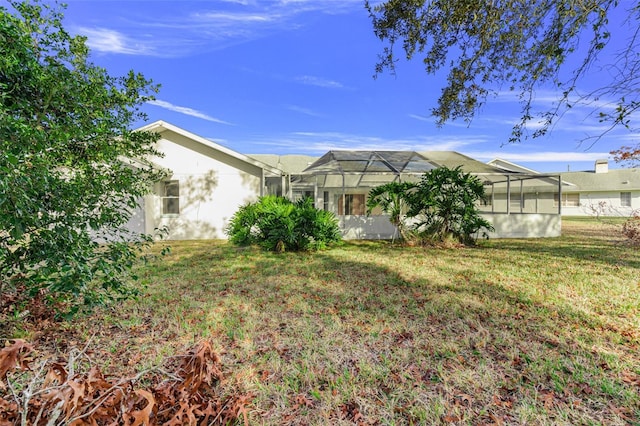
(445, 204)
(441, 208)
(392, 198)
(278, 224)
(71, 170)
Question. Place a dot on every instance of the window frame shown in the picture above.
(625, 199)
(566, 199)
(170, 201)
(346, 204)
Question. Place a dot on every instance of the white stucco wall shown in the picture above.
(137, 221)
(366, 228)
(604, 203)
(506, 226)
(524, 225)
(213, 186)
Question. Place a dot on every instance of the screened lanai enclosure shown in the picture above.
(518, 204)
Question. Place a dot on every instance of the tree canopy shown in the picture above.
(71, 170)
(518, 45)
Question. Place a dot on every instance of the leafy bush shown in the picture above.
(445, 204)
(278, 224)
(441, 207)
(66, 194)
(392, 198)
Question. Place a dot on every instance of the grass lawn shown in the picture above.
(543, 331)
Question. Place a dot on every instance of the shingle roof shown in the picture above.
(613, 180)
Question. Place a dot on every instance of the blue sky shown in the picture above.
(296, 77)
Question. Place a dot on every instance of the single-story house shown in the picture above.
(206, 183)
(601, 192)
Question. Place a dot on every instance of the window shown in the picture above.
(325, 200)
(568, 200)
(625, 199)
(351, 204)
(171, 197)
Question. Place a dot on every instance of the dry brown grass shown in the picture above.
(511, 332)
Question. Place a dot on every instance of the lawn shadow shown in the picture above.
(387, 324)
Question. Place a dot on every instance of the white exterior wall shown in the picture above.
(524, 225)
(603, 203)
(506, 226)
(367, 228)
(137, 221)
(211, 189)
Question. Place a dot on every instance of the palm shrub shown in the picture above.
(278, 224)
(241, 229)
(444, 203)
(315, 228)
(392, 198)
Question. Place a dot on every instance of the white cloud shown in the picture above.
(111, 41)
(303, 110)
(228, 18)
(580, 120)
(630, 138)
(319, 81)
(214, 26)
(187, 111)
(547, 156)
(321, 142)
(242, 2)
(422, 117)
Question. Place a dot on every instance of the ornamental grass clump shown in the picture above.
(278, 224)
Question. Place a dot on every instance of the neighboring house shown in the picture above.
(600, 192)
(206, 183)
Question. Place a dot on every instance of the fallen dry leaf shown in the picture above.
(14, 356)
(141, 417)
(178, 397)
